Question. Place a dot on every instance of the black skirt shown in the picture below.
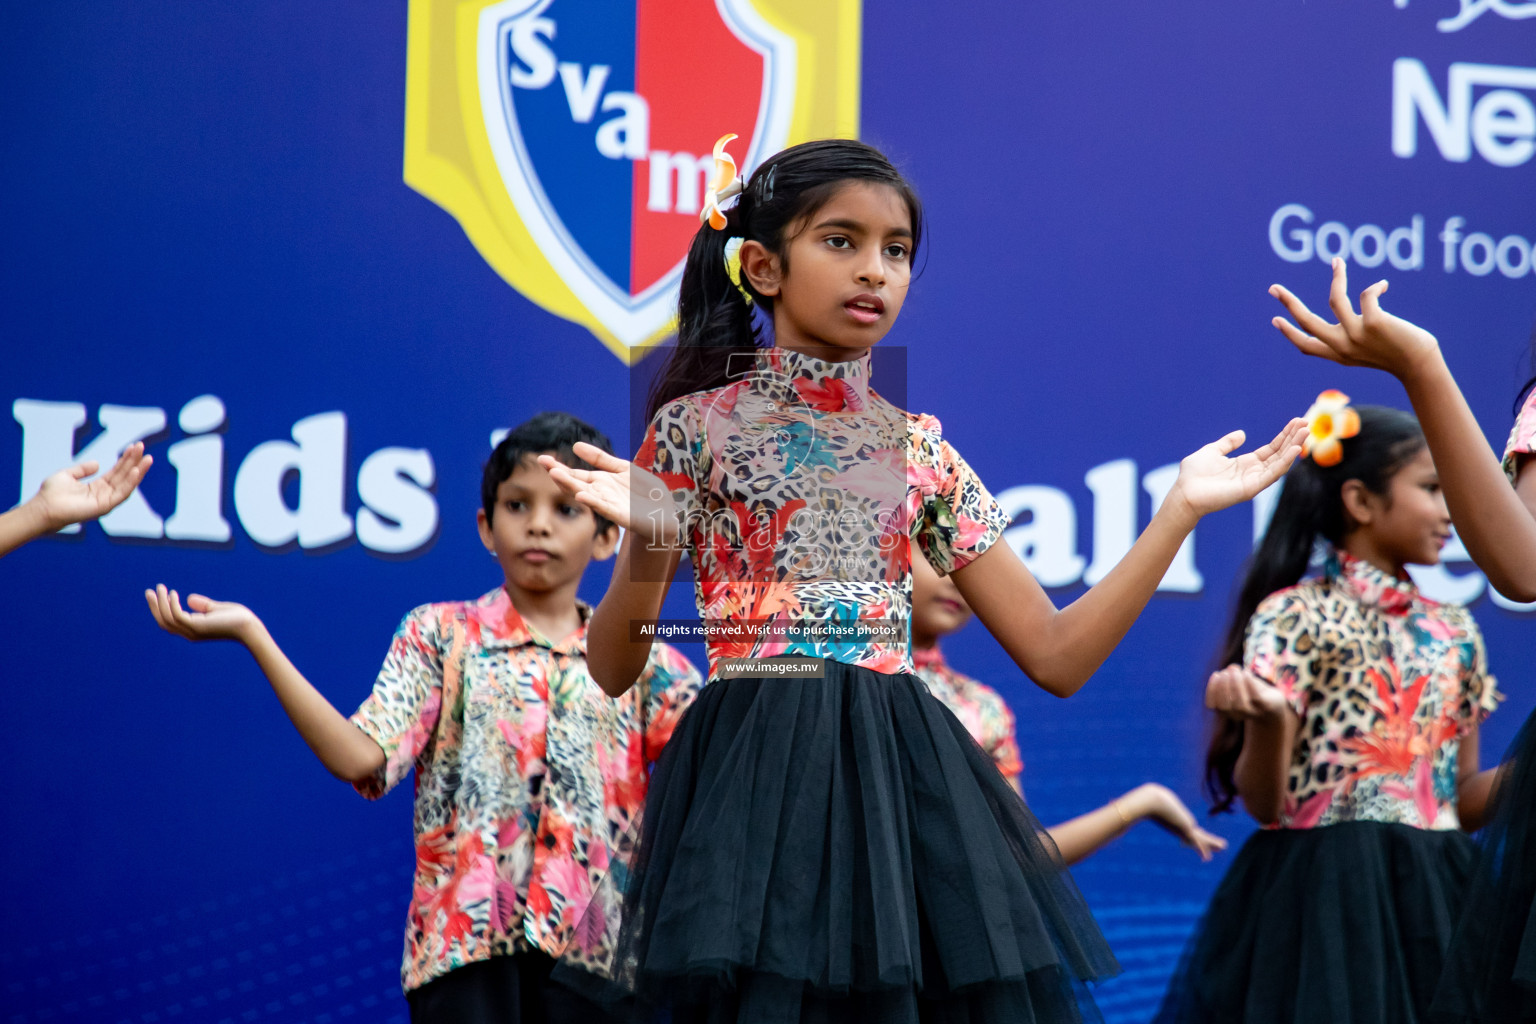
(840, 849)
(1347, 924)
(1491, 974)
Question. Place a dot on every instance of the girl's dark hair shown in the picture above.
(714, 318)
(1311, 505)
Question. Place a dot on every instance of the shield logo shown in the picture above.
(571, 138)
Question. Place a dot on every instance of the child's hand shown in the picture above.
(207, 620)
(1208, 480)
(1373, 337)
(1162, 805)
(619, 491)
(64, 500)
(1238, 693)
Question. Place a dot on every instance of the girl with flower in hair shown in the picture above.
(822, 840)
(1348, 711)
(1491, 974)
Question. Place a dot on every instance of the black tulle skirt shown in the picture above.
(1344, 924)
(1491, 973)
(840, 849)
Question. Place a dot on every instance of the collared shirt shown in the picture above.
(528, 777)
(980, 708)
(1522, 437)
(802, 491)
(1385, 681)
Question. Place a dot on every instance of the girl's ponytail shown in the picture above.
(715, 317)
(1311, 506)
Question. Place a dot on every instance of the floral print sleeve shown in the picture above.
(401, 713)
(1284, 645)
(1522, 438)
(958, 518)
(669, 685)
(1480, 694)
(671, 451)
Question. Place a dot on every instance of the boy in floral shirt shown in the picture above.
(528, 776)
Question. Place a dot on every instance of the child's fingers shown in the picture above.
(199, 603)
(84, 469)
(1230, 443)
(598, 459)
(1306, 343)
(1338, 293)
(1370, 299)
(1304, 317)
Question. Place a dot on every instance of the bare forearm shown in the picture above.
(615, 656)
(1261, 767)
(1089, 833)
(1473, 795)
(21, 524)
(1062, 649)
(1498, 530)
(345, 750)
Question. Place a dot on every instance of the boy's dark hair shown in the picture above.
(1311, 505)
(714, 319)
(552, 432)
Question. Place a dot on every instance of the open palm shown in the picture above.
(65, 499)
(1372, 337)
(1211, 478)
(202, 619)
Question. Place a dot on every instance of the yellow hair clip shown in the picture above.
(722, 185)
(1329, 422)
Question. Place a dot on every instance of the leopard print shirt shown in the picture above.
(801, 492)
(1385, 683)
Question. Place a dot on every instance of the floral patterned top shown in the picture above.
(980, 708)
(1385, 682)
(527, 778)
(1522, 437)
(802, 490)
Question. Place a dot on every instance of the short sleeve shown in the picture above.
(1284, 646)
(958, 518)
(401, 713)
(1481, 695)
(670, 684)
(1522, 438)
(670, 451)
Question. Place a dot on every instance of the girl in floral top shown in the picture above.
(821, 841)
(1348, 725)
(1491, 974)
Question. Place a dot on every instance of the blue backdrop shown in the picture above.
(206, 199)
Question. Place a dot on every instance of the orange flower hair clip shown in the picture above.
(1329, 422)
(723, 184)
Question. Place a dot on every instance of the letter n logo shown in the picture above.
(571, 138)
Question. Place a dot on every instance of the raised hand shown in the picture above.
(1238, 693)
(621, 492)
(1208, 480)
(63, 499)
(1163, 806)
(1372, 337)
(207, 619)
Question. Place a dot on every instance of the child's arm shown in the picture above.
(1498, 529)
(1474, 789)
(345, 750)
(640, 503)
(1089, 833)
(1269, 735)
(1060, 649)
(63, 500)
